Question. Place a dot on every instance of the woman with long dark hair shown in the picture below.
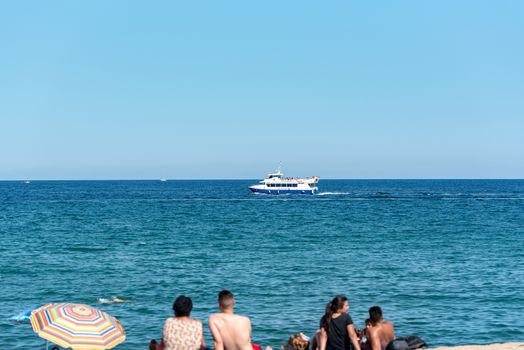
(336, 326)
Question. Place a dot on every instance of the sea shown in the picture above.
(444, 259)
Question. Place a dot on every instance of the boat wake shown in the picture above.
(332, 194)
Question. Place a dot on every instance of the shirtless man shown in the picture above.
(380, 333)
(230, 331)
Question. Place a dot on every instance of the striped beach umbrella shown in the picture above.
(77, 326)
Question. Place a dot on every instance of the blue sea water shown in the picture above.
(443, 258)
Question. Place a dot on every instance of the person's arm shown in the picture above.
(315, 342)
(249, 329)
(217, 339)
(165, 332)
(353, 337)
(203, 345)
(323, 339)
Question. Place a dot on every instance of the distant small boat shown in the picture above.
(276, 183)
(27, 182)
(163, 180)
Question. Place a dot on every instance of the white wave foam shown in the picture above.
(332, 193)
(104, 301)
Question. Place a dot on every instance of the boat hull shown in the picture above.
(283, 191)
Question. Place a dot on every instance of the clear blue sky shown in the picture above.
(222, 89)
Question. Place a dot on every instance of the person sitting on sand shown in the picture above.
(298, 341)
(380, 333)
(181, 332)
(364, 336)
(315, 341)
(336, 326)
(230, 331)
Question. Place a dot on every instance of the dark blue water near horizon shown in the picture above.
(443, 258)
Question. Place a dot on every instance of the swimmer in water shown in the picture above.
(112, 300)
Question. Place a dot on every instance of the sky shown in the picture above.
(233, 89)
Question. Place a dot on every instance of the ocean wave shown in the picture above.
(87, 249)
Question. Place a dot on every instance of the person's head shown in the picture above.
(182, 306)
(338, 304)
(375, 314)
(368, 323)
(226, 301)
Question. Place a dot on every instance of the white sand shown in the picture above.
(500, 346)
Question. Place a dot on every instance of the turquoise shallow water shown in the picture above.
(444, 259)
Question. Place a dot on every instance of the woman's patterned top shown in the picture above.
(185, 334)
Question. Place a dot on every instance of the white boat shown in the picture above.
(276, 183)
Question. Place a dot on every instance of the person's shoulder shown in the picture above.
(347, 318)
(170, 320)
(214, 317)
(243, 318)
(198, 323)
(388, 324)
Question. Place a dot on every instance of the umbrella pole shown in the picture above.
(46, 344)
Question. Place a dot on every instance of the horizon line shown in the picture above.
(257, 179)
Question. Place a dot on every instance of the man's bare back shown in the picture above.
(381, 335)
(230, 331)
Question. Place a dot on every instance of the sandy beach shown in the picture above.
(498, 346)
